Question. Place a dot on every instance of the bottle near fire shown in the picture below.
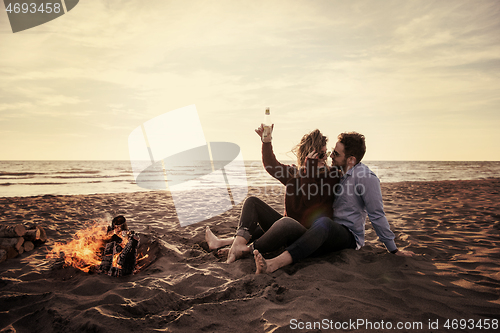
(267, 125)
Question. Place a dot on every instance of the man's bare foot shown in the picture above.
(238, 249)
(260, 263)
(270, 265)
(215, 242)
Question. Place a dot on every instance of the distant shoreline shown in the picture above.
(31, 178)
(275, 188)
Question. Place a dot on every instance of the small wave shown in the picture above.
(3, 173)
(84, 172)
(54, 183)
(46, 183)
(81, 177)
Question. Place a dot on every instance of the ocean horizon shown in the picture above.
(73, 177)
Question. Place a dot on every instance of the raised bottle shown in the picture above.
(267, 124)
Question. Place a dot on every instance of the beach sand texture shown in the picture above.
(453, 225)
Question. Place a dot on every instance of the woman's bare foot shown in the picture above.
(238, 249)
(215, 242)
(260, 263)
(223, 252)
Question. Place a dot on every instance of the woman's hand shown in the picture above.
(260, 132)
(313, 155)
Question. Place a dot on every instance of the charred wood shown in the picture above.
(128, 256)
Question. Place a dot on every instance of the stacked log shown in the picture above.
(17, 230)
(17, 239)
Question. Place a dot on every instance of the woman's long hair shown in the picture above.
(313, 141)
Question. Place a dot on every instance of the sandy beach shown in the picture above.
(454, 226)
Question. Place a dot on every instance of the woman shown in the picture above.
(308, 196)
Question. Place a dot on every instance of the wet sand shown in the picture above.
(454, 226)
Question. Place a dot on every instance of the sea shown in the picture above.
(34, 178)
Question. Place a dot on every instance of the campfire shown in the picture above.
(112, 250)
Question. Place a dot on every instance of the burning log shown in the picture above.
(3, 255)
(106, 262)
(128, 256)
(119, 222)
(119, 261)
(12, 231)
(82, 251)
(116, 238)
(112, 250)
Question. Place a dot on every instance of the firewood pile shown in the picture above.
(17, 239)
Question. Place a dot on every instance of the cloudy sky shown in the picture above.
(421, 79)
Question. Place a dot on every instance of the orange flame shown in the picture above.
(86, 249)
(116, 256)
(83, 251)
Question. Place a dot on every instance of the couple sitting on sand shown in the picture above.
(325, 207)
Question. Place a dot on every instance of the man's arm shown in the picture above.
(368, 187)
(372, 198)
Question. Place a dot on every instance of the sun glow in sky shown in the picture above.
(420, 79)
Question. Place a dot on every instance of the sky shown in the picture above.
(420, 79)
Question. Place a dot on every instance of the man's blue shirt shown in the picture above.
(357, 195)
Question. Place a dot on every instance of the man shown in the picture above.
(357, 195)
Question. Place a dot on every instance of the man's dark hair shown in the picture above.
(354, 145)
